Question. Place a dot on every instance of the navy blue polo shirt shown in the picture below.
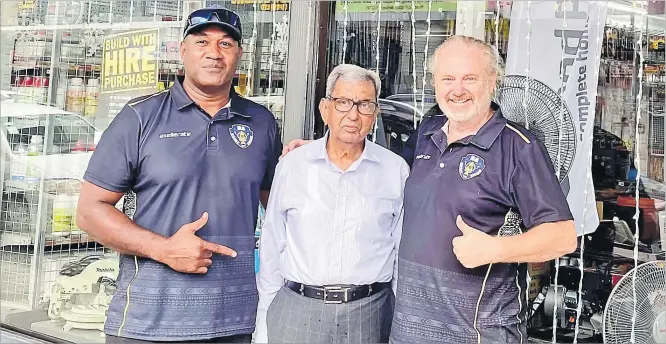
(180, 162)
(501, 174)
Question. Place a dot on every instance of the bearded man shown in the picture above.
(474, 174)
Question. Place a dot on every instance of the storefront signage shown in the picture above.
(130, 61)
(562, 62)
(394, 6)
(263, 5)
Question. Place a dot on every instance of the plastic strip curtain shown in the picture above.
(637, 161)
(179, 14)
(588, 176)
(558, 167)
(425, 59)
(344, 33)
(252, 43)
(379, 27)
(527, 70)
(527, 87)
(270, 56)
(155, 10)
(497, 18)
(414, 76)
(463, 20)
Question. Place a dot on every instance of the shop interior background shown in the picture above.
(58, 96)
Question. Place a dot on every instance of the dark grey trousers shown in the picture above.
(293, 318)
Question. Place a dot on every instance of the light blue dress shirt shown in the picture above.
(325, 226)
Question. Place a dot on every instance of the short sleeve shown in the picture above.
(273, 158)
(535, 188)
(114, 163)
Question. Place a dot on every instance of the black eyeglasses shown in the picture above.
(365, 107)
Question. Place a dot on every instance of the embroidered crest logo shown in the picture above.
(242, 135)
(471, 165)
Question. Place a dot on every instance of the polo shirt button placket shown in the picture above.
(212, 135)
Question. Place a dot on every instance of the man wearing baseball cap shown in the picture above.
(199, 158)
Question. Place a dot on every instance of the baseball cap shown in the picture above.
(222, 17)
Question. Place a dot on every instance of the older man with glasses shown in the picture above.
(332, 228)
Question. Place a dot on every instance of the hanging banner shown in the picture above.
(130, 61)
(558, 70)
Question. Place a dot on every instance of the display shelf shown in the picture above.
(16, 239)
(55, 329)
(76, 237)
(8, 311)
(22, 318)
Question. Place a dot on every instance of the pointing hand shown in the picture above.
(188, 253)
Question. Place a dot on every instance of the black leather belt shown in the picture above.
(338, 293)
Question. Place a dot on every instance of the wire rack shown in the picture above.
(59, 109)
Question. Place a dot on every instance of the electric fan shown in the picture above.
(547, 117)
(650, 305)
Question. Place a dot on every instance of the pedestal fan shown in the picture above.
(649, 303)
(544, 115)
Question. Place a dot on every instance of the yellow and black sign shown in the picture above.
(130, 61)
(264, 5)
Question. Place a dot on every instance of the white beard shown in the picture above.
(466, 113)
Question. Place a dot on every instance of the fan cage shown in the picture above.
(547, 118)
(650, 300)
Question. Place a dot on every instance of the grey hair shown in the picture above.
(495, 62)
(350, 72)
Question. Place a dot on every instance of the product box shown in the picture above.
(539, 277)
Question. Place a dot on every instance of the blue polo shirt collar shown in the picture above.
(238, 106)
(486, 135)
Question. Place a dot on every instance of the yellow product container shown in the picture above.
(64, 214)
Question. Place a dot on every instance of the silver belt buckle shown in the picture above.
(343, 291)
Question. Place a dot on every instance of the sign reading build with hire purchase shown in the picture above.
(130, 62)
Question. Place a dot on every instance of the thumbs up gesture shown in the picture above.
(188, 253)
(473, 248)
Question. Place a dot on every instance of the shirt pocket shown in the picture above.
(376, 213)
